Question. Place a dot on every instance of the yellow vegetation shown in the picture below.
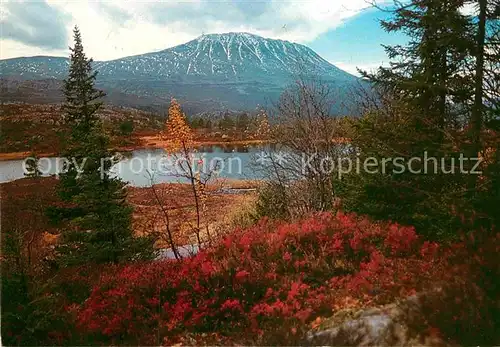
(178, 135)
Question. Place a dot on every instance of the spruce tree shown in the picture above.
(477, 109)
(99, 217)
(440, 95)
(426, 95)
(485, 119)
(491, 91)
(429, 72)
(32, 167)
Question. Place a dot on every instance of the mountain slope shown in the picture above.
(234, 70)
(224, 57)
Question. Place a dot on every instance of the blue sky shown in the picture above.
(358, 42)
(343, 32)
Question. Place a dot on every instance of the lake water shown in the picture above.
(139, 168)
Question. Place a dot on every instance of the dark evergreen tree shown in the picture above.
(485, 118)
(440, 95)
(491, 91)
(426, 98)
(126, 128)
(99, 217)
(477, 109)
(226, 123)
(32, 168)
(208, 124)
(242, 121)
(196, 122)
(430, 72)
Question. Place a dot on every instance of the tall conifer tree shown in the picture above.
(100, 218)
(427, 92)
(429, 72)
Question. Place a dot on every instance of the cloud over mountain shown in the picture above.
(115, 28)
(35, 23)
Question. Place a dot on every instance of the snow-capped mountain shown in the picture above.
(235, 69)
(231, 57)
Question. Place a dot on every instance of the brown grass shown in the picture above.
(25, 201)
(178, 200)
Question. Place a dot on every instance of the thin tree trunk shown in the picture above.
(195, 194)
(167, 223)
(443, 93)
(477, 110)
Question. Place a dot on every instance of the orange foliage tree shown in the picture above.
(180, 145)
(263, 128)
(178, 134)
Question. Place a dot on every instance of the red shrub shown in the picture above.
(264, 280)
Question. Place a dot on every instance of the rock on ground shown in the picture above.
(397, 324)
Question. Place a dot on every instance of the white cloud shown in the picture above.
(113, 29)
(469, 9)
(352, 68)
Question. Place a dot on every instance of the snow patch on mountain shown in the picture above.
(233, 70)
(230, 57)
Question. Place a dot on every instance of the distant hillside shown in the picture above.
(39, 126)
(234, 71)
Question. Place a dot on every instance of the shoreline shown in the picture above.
(22, 155)
(149, 144)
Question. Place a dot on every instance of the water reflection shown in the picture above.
(231, 161)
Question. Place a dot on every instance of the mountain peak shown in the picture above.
(236, 35)
(245, 56)
(232, 56)
(225, 38)
(230, 34)
(225, 67)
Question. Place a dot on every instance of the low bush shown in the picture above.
(266, 284)
(272, 202)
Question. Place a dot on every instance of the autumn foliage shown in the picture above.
(269, 283)
(178, 134)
